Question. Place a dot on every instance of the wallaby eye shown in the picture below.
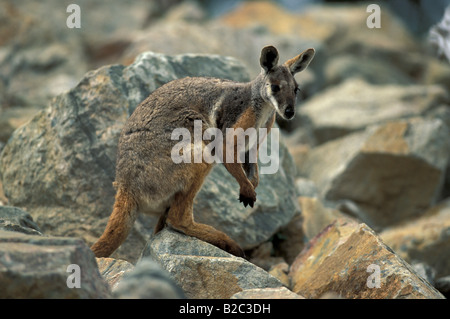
(275, 88)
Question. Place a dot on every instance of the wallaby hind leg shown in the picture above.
(119, 225)
(180, 217)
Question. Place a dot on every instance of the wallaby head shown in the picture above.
(279, 87)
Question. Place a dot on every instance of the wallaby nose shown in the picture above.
(289, 112)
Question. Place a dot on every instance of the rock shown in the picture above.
(266, 293)
(263, 256)
(393, 172)
(280, 271)
(437, 72)
(345, 66)
(41, 267)
(12, 118)
(64, 180)
(443, 285)
(439, 36)
(147, 281)
(306, 187)
(291, 239)
(316, 216)
(349, 259)
(350, 106)
(113, 270)
(3, 199)
(424, 271)
(16, 219)
(202, 270)
(425, 239)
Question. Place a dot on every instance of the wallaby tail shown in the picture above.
(119, 225)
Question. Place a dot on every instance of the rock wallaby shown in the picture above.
(150, 182)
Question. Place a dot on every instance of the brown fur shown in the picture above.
(147, 179)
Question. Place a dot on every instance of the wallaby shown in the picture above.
(147, 179)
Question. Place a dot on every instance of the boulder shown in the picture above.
(373, 71)
(48, 267)
(392, 172)
(425, 239)
(263, 256)
(71, 152)
(203, 270)
(113, 270)
(316, 216)
(18, 220)
(351, 106)
(291, 239)
(147, 281)
(280, 271)
(350, 260)
(443, 285)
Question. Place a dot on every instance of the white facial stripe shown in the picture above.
(272, 99)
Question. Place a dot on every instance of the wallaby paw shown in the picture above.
(247, 200)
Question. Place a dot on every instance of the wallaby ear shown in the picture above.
(301, 61)
(269, 58)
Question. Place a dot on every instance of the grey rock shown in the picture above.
(38, 267)
(113, 270)
(148, 281)
(351, 106)
(424, 271)
(443, 285)
(424, 240)
(372, 71)
(16, 219)
(306, 187)
(203, 270)
(439, 35)
(393, 172)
